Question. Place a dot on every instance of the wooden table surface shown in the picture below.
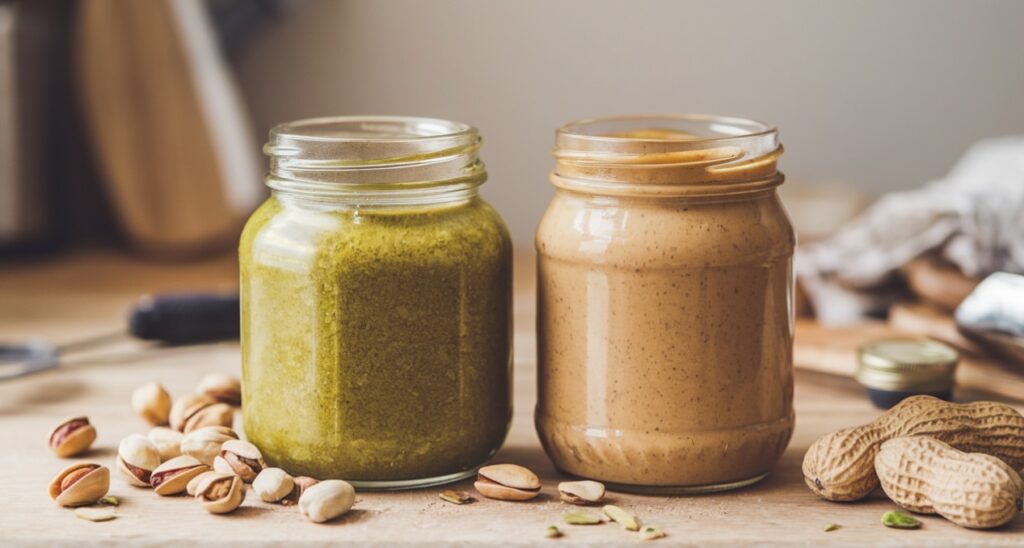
(66, 298)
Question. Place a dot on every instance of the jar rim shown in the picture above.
(369, 127)
(714, 122)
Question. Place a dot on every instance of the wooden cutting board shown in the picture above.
(169, 133)
(834, 350)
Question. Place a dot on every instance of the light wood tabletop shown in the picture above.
(66, 298)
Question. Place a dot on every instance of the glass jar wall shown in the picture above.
(376, 304)
(665, 322)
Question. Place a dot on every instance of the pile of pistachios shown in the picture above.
(191, 449)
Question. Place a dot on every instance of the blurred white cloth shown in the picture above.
(974, 218)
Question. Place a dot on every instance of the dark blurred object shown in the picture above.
(239, 21)
(938, 282)
(33, 121)
(178, 159)
(171, 319)
(993, 315)
(894, 369)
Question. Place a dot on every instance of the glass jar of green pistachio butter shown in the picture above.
(376, 304)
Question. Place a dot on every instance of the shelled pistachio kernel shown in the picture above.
(301, 483)
(244, 458)
(581, 492)
(628, 521)
(220, 493)
(221, 387)
(553, 532)
(80, 484)
(583, 518)
(899, 520)
(137, 457)
(507, 482)
(327, 500)
(205, 443)
(193, 411)
(651, 533)
(173, 476)
(72, 436)
(273, 484)
(152, 402)
(167, 442)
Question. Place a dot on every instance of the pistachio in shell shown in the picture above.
(137, 457)
(327, 500)
(205, 443)
(172, 477)
(193, 411)
(222, 387)
(300, 484)
(244, 459)
(581, 492)
(152, 402)
(80, 484)
(193, 484)
(507, 482)
(273, 484)
(220, 493)
(73, 436)
(167, 442)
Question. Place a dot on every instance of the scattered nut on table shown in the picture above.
(220, 493)
(137, 457)
(300, 484)
(327, 500)
(194, 411)
(222, 387)
(204, 443)
(581, 492)
(73, 436)
(243, 458)
(273, 484)
(507, 482)
(167, 442)
(80, 484)
(152, 402)
(172, 477)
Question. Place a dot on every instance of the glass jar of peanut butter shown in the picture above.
(665, 315)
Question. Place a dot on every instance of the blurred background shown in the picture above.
(138, 124)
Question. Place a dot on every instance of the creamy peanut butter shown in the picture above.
(664, 304)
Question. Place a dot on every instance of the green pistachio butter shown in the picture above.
(376, 343)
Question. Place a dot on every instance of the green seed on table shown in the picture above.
(583, 518)
(553, 532)
(831, 527)
(628, 521)
(899, 520)
(109, 501)
(651, 533)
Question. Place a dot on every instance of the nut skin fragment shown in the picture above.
(222, 387)
(840, 465)
(273, 484)
(456, 497)
(220, 493)
(581, 492)
(152, 402)
(301, 483)
(927, 476)
(173, 476)
(137, 457)
(167, 442)
(95, 514)
(72, 436)
(507, 482)
(80, 484)
(243, 458)
(327, 500)
(205, 443)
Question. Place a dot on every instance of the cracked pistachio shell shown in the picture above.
(220, 493)
(222, 387)
(72, 436)
(301, 484)
(273, 484)
(167, 442)
(193, 484)
(244, 459)
(80, 484)
(327, 500)
(172, 477)
(581, 492)
(193, 411)
(205, 443)
(137, 457)
(507, 482)
(152, 402)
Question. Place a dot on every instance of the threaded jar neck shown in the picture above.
(666, 155)
(375, 160)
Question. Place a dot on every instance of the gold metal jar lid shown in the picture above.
(907, 365)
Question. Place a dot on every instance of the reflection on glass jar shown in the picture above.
(665, 323)
(376, 304)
